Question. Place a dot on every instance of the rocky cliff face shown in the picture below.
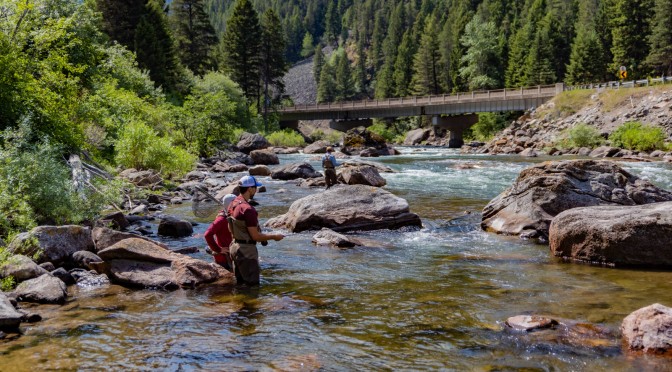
(542, 128)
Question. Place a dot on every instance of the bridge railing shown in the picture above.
(540, 90)
(622, 84)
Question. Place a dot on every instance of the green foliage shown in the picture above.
(308, 46)
(631, 26)
(331, 137)
(581, 135)
(426, 64)
(660, 40)
(488, 125)
(194, 35)
(481, 58)
(140, 147)
(636, 136)
(286, 138)
(381, 129)
(35, 186)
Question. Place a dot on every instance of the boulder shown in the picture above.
(356, 140)
(543, 191)
(21, 268)
(312, 182)
(295, 171)
(118, 219)
(584, 151)
(529, 152)
(649, 329)
(380, 167)
(360, 175)
(104, 237)
(604, 152)
(416, 136)
(230, 189)
(47, 266)
(286, 150)
(529, 323)
(332, 238)
(9, 317)
(229, 166)
(317, 147)
(370, 152)
(53, 243)
(615, 235)
(65, 276)
(82, 259)
(143, 178)
(175, 228)
(45, 289)
(260, 170)
(139, 263)
(264, 157)
(89, 278)
(250, 142)
(195, 175)
(347, 208)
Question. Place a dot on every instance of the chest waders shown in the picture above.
(243, 252)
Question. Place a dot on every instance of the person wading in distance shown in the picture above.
(329, 164)
(244, 226)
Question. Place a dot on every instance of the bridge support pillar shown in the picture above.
(456, 126)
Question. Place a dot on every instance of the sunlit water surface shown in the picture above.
(428, 299)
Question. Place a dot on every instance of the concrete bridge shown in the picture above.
(351, 114)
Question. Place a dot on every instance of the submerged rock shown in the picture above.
(347, 208)
(295, 171)
(619, 235)
(543, 191)
(530, 322)
(330, 237)
(649, 329)
(54, 244)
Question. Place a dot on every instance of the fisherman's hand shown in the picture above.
(277, 237)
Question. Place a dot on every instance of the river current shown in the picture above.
(434, 298)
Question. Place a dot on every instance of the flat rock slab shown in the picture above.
(615, 235)
(649, 329)
(530, 322)
(347, 208)
(329, 237)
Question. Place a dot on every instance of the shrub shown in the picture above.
(140, 147)
(331, 137)
(581, 135)
(636, 136)
(287, 138)
(381, 129)
(488, 125)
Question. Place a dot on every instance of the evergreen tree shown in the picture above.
(155, 49)
(403, 68)
(272, 58)
(660, 41)
(326, 89)
(345, 86)
(194, 35)
(120, 19)
(332, 28)
(538, 68)
(519, 46)
(307, 46)
(240, 45)
(318, 62)
(376, 51)
(631, 29)
(360, 73)
(480, 62)
(586, 64)
(426, 67)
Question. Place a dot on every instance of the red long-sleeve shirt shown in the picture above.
(218, 235)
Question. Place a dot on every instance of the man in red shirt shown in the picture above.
(219, 237)
(244, 226)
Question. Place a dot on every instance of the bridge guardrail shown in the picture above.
(541, 90)
(622, 84)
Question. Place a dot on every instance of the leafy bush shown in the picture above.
(581, 135)
(488, 125)
(287, 138)
(381, 129)
(35, 186)
(331, 137)
(636, 136)
(140, 147)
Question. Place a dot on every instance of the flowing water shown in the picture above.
(429, 299)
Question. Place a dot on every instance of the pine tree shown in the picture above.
(360, 73)
(426, 67)
(332, 28)
(345, 86)
(631, 29)
(240, 45)
(326, 89)
(519, 45)
(155, 49)
(318, 63)
(194, 35)
(307, 47)
(403, 69)
(660, 41)
(272, 58)
(120, 19)
(538, 68)
(479, 63)
(586, 64)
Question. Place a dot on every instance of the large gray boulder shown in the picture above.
(347, 208)
(104, 238)
(416, 136)
(295, 171)
(229, 166)
(9, 317)
(21, 268)
(317, 147)
(45, 289)
(175, 228)
(264, 157)
(250, 142)
(543, 191)
(351, 174)
(649, 329)
(139, 263)
(618, 235)
(53, 243)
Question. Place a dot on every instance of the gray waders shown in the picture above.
(244, 253)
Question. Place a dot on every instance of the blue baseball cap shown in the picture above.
(249, 181)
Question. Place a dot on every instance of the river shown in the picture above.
(429, 299)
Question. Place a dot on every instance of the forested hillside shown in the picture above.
(404, 47)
